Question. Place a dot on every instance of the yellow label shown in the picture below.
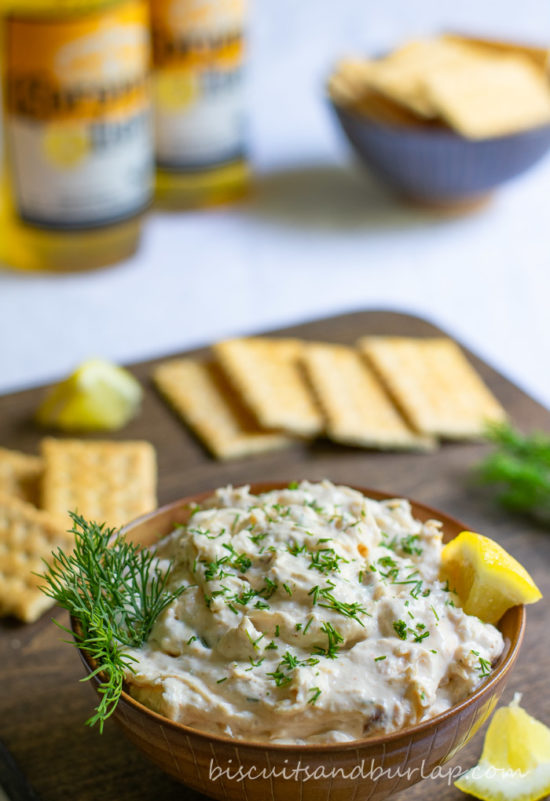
(77, 114)
(198, 35)
(77, 67)
(198, 51)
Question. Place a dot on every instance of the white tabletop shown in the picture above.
(317, 236)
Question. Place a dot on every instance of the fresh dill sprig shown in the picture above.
(519, 470)
(116, 591)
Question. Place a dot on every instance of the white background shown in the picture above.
(316, 236)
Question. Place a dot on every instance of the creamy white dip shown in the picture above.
(313, 614)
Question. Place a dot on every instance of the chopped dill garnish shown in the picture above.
(315, 506)
(400, 628)
(344, 608)
(484, 667)
(484, 664)
(282, 510)
(289, 660)
(244, 597)
(314, 592)
(315, 693)
(296, 549)
(214, 570)
(255, 663)
(279, 677)
(270, 587)
(308, 624)
(334, 638)
(206, 533)
(254, 642)
(238, 561)
(408, 546)
(326, 560)
(257, 538)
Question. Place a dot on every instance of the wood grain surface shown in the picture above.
(42, 704)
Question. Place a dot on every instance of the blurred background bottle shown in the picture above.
(198, 48)
(77, 139)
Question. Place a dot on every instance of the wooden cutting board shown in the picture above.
(42, 704)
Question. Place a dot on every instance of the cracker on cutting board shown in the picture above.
(20, 475)
(434, 385)
(27, 536)
(491, 96)
(108, 482)
(201, 395)
(358, 409)
(268, 376)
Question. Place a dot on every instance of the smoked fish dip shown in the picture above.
(311, 614)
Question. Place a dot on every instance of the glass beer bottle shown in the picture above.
(198, 49)
(77, 133)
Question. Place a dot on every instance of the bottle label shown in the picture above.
(198, 82)
(77, 118)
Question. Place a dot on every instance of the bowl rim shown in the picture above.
(485, 688)
(434, 132)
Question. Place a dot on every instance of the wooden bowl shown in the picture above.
(370, 768)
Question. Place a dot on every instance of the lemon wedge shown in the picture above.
(515, 763)
(98, 396)
(487, 580)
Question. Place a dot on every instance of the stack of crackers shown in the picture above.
(392, 393)
(479, 88)
(110, 482)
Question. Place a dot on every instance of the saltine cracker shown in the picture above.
(434, 385)
(105, 481)
(20, 475)
(27, 536)
(201, 395)
(490, 96)
(357, 408)
(268, 376)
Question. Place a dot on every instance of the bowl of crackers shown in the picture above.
(445, 121)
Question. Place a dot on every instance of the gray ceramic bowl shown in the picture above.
(436, 166)
(389, 762)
